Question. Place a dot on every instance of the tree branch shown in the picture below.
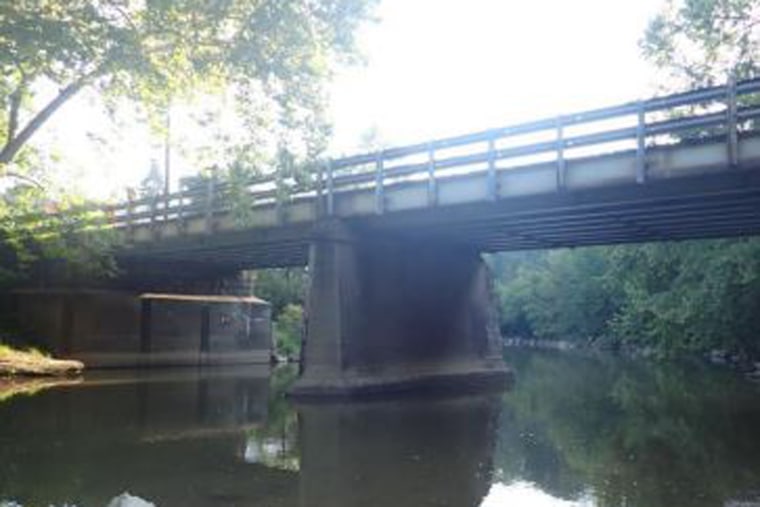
(18, 176)
(14, 144)
(14, 104)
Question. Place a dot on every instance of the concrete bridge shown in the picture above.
(400, 296)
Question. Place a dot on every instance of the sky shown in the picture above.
(441, 67)
(433, 68)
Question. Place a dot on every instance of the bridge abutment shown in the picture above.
(390, 315)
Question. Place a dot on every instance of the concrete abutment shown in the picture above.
(386, 315)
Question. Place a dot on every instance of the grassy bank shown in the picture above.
(32, 362)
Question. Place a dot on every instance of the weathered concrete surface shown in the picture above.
(386, 315)
(101, 328)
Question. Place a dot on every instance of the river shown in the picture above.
(573, 430)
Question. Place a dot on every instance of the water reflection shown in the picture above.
(606, 432)
(398, 453)
(574, 431)
(170, 439)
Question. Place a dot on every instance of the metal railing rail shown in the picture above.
(725, 110)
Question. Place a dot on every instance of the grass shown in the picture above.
(8, 351)
(33, 362)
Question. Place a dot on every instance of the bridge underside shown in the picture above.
(399, 296)
(712, 205)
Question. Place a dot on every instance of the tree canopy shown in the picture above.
(702, 42)
(156, 51)
(669, 298)
(267, 60)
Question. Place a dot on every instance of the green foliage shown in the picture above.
(668, 297)
(558, 295)
(690, 296)
(701, 42)
(281, 287)
(67, 236)
(266, 61)
(285, 289)
(156, 52)
(288, 328)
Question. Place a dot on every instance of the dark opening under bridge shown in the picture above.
(399, 294)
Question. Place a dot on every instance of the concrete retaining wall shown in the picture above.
(102, 328)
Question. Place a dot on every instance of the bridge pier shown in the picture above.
(390, 315)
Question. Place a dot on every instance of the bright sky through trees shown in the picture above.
(434, 67)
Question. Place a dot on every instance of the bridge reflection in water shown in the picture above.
(402, 453)
(574, 431)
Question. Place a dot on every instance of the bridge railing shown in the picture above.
(727, 111)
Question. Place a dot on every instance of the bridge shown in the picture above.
(393, 239)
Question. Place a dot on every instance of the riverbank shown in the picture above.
(721, 358)
(15, 362)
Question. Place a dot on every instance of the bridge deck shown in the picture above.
(629, 173)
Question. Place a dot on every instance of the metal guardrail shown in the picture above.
(725, 110)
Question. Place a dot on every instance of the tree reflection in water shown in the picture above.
(573, 431)
(625, 433)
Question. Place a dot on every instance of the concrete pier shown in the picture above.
(386, 314)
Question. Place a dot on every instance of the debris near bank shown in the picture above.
(34, 363)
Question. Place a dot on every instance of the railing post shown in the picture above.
(279, 196)
(155, 227)
(379, 190)
(731, 123)
(492, 187)
(130, 218)
(153, 210)
(561, 164)
(181, 225)
(330, 183)
(641, 154)
(167, 201)
(210, 191)
(432, 183)
(320, 207)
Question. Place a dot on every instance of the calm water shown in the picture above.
(573, 431)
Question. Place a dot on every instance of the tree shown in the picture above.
(710, 298)
(702, 42)
(160, 50)
(281, 287)
(288, 329)
(562, 296)
(671, 298)
(689, 296)
(268, 59)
